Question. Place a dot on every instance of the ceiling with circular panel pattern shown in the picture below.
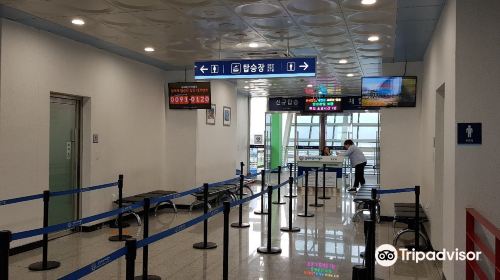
(348, 38)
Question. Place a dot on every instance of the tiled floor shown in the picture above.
(330, 237)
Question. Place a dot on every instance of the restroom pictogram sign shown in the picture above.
(469, 133)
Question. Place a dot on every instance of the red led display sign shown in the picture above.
(189, 95)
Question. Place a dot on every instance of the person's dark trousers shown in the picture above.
(359, 174)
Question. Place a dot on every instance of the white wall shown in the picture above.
(243, 126)
(399, 142)
(217, 145)
(126, 106)
(124, 103)
(439, 70)
(477, 179)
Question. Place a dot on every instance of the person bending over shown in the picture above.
(326, 151)
(358, 160)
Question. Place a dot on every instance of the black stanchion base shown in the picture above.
(308, 215)
(238, 225)
(272, 250)
(288, 229)
(260, 212)
(203, 246)
(116, 238)
(279, 202)
(38, 266)
(293, 195)
(316, 205)
(324, 197)
(359, 272)
(149, 277)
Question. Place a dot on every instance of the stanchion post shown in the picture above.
(131, 245)
(370, 249)
(305, 214)
(120, 237)
(241, 168)
(5, 239)
(240, 223)
(145, 249)
(45, 264)
(324, 183)
(417, 218)
(373, 205)
(290, 169)
(205, 244)
(316, 204)
(225, 257)
(279, 189)
(269, 249)
(263, 185)
(290, 227)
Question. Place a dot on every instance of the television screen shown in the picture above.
(389, 91)
(323, 104)
(189, 95)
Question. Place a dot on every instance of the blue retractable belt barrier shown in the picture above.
(396, 191)
(21, 199)
(181, 227)
(223, 182)
(86, 270)
(75, 191)
(246, 199)
(175, 195)
(72, 224)
(40, 196)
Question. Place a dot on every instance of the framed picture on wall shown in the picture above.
(211, 115)
(226, 116)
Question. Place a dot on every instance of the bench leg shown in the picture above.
(139, 223)
(357, 214)
(407, 230)
(249, 189)
(169, 202)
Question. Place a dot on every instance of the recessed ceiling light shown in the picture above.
(373, 38)
(78, 21)
(253, 45)
(309, 85)
(350, 75)
(343, 61)
(247, 87)
(149, 49)
(368, 2)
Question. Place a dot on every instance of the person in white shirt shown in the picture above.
(358, 160)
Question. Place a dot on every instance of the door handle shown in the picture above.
(68, 150)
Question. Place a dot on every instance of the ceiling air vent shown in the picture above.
(266, 54)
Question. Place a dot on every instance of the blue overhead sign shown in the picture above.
(255, 68)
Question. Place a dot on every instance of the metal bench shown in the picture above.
(215, 194)
(363, 196)
(140, 197)
(405, 213)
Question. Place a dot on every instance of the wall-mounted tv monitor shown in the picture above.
(390, 91)
(323, 105)
(188, 95)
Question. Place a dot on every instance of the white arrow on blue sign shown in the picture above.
(255, 68)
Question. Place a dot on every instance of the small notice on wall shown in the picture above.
(258, 139)
(469, 133)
